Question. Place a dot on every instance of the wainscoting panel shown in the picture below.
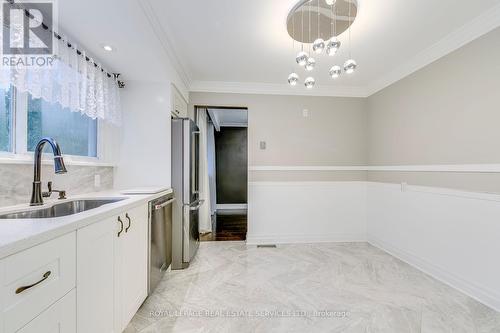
(306, 212)
(452, 235)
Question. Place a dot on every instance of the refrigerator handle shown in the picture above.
(200, 202)
(196, 184)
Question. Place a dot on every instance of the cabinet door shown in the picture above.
(34, 279)
(179, 104)
(134, 262)
(96, 276)
(58, 318)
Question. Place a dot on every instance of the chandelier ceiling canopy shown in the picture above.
(315, 25)
(319, 11)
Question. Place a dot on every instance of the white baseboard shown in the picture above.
(488, 297)
(301, 239)
(231, 206)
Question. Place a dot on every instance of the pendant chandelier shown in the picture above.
(315, 25)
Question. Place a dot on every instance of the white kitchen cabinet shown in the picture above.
(90, 281)
(179, 104)
(96, 276)
(34, 279)
(112, 273)
(132, 263)
(58, 318)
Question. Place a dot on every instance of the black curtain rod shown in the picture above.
(121, 84)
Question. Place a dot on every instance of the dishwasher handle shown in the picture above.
(166, 203)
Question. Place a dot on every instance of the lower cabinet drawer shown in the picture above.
(34, 279)
(59, 318)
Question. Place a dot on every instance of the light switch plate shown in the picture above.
(305, 113)
(262, 145)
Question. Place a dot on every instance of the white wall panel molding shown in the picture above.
(485, 296)
(466, 168)
(307, 168)
(306, 212)
(304, 239)
(451, 235)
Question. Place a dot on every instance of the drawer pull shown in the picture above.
(121, 226)
(45, 277)
(129, 222)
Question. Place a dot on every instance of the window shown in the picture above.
(76, 133)
(24, 120)
(6, 116)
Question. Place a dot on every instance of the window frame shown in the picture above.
(20, 153)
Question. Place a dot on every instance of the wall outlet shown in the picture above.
(305, 113)
(403, 186)
(97, 181)
(262, 145)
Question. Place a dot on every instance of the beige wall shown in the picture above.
(446, 113)
(333, 134)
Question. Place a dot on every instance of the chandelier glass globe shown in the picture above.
(319, 45)
(332, 46)
(330, 2)
(302, 58)
(293, 79)
(311, 63)
(350, 66)
(335, 71)
(309, 83)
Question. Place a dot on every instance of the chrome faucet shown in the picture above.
(59, 167)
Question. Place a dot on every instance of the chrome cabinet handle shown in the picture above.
(129, 222)
(121, 223)
(45, 277)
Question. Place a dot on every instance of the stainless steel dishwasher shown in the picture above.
(160, 239)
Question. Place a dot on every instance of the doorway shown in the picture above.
(224, 172)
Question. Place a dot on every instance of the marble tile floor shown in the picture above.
(330, 287)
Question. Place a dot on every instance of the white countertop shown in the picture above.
(18, 235)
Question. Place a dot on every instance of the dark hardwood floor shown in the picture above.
(229, 226)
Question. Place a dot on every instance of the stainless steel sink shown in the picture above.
(60, 209)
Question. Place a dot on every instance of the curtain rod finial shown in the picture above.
(121, 84)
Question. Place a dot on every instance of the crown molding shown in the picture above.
(474, 29)
(275, 89)
(164, 37)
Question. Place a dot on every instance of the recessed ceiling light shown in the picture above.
(108, 48)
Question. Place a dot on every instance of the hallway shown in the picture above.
(230, 225)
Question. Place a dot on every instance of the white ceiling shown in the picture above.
(229, 117)
(243, 46)
(238, 43)
(124, 24)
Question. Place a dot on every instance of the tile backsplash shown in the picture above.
(16, 181)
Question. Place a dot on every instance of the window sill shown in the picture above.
(68, 160)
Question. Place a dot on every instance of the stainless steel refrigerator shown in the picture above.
(185, 182)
